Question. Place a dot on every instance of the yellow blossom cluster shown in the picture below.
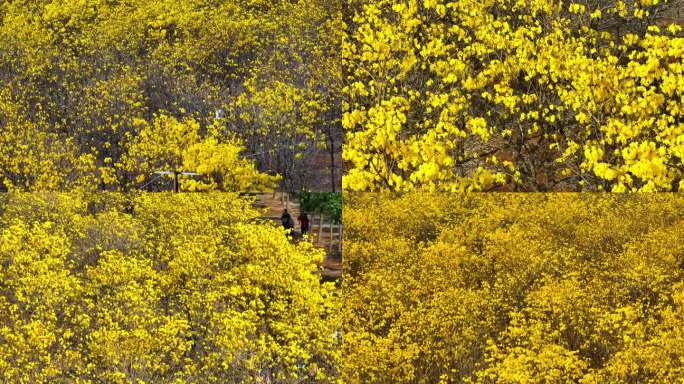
(158, 288)
(533, 95)
(513, 288)
(172, 145)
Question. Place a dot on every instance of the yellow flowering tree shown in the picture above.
(515, 95)
(280, 121)
(33, 157)
(176, 146)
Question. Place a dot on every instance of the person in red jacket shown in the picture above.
(303, 222)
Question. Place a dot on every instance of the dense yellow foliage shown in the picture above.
(80, 81)
(513, 288)
(183, 288)
(169, 144)
(526, 94)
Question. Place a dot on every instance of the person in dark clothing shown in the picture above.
(303, 222)
(286, 220)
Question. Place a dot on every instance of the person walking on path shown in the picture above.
(303, 222)
(286, 220)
